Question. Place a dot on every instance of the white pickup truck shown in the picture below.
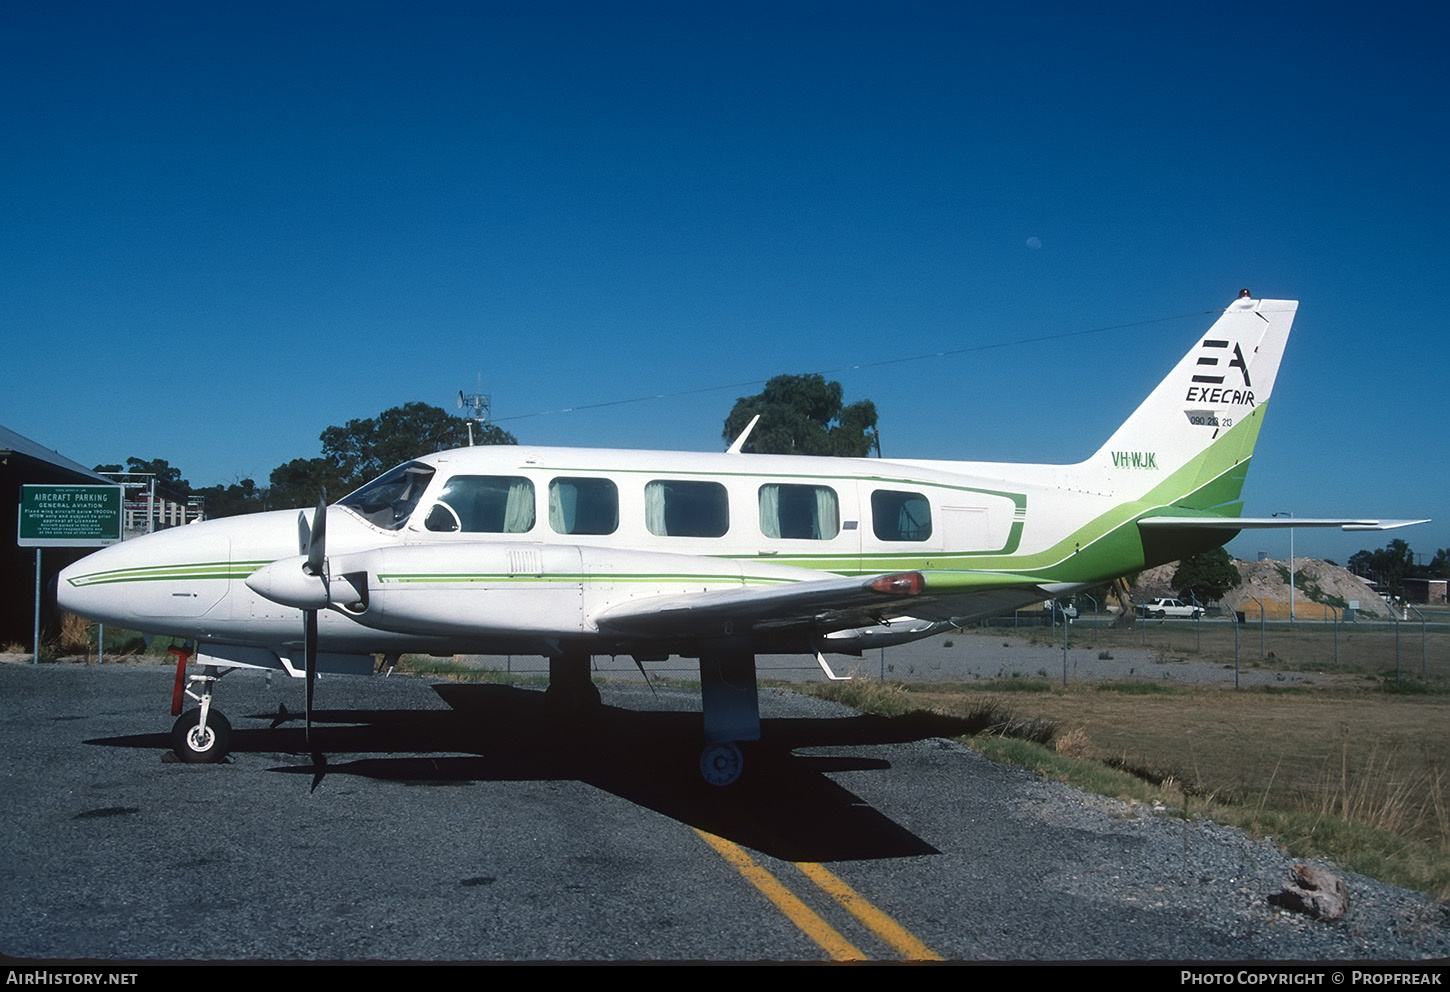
(1160, 608)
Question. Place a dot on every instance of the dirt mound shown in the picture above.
(1317, 585)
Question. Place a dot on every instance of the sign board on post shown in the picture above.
(69, 516)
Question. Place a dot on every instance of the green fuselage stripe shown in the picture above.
(1103, 548)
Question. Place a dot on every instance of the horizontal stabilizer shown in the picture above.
(1271, 523)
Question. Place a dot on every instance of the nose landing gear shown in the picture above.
(199, 736)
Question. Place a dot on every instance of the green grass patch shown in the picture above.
(1414, 687)
(456, 671)
(1136, 688)
(1091, 776)
(1378, 853)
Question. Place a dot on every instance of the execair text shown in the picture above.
(1219, 394)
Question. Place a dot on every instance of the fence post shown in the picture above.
(1236, 649)
(1424, 649)
(1395, 614)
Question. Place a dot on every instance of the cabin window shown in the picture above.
(899, 516)
(583, 506)
(799, 512)
(484, 504)
(389, 499)
(675, 508)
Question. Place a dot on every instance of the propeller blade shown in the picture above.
(316, 548)
(309, 664)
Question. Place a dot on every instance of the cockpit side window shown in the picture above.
(483, 504)
(390, 499)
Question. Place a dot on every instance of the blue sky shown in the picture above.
(226, 227)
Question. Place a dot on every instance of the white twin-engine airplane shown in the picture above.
(569, 553)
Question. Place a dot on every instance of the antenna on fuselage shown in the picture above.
(739, 445)
(481, 404)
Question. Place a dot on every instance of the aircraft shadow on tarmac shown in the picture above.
(784, 806)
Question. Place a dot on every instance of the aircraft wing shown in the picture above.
(818, 606)
(1267, 523)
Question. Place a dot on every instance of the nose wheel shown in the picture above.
(198, 740)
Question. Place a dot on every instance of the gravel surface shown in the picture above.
(1219, 879)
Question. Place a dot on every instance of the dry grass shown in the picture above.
(1073, 744)
(1361, 754)
(1345, 768)
(1386, 792)
(75, 635)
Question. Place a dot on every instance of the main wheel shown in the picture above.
(198, 744)
(721, 764)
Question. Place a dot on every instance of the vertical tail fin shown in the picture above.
(1190, 441)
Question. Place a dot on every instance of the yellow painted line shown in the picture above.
(817, 929)
(897, 936)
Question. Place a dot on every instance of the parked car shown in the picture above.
(1158, 609)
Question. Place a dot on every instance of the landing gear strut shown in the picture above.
(732, 709)
(571, 691)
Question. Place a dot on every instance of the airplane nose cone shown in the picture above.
(288, 582)
(175, 574)
(73, 597)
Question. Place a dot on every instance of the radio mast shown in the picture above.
(481, 404)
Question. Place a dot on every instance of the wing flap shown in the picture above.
(808, 606)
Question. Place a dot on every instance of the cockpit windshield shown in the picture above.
(389, 499)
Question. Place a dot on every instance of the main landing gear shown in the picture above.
(572, 693)
(732, 710)
(199, 736)
(727, 695)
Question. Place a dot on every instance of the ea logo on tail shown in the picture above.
(1238, 360)
(1209, 388)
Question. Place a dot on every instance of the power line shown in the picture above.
(866, 365)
